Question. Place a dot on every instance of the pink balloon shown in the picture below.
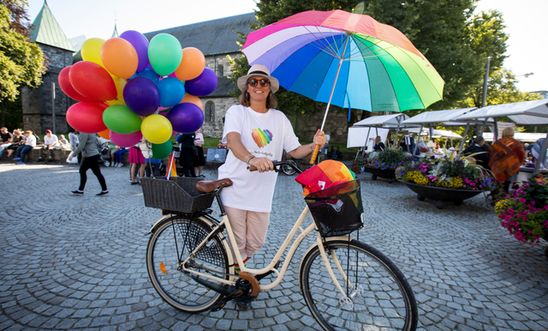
(126, 140)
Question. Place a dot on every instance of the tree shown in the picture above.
(21, 61)
(501, 89)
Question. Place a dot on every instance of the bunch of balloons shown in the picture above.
(128, 88)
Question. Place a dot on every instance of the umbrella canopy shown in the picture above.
(345, 59)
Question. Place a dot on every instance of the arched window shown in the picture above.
(210, 112)
(220, 70)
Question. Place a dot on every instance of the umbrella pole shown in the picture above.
(341, 59)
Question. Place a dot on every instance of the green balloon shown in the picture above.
(164, 53)
(161, 151)
(121, 119)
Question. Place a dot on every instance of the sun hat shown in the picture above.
(258, 70)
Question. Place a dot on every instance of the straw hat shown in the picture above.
(258, 70)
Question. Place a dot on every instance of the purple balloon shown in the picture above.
(125, 140)
(142, 96)
(186, 117)
(203, 84)
(140, 43)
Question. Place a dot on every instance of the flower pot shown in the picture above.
(441, 194)
(382, 173)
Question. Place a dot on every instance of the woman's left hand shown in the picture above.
(319, 138)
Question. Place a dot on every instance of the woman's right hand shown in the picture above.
(261, 164)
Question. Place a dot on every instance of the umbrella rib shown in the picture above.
(322, 44)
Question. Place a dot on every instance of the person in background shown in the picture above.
(74, 142)
(256, 134)
(479, 151)
(63, 143)
(89, 150)
(507, 156)
(137, 162)
(50, 141)
(117, 154)
(6, 139)
(17, 140)
(200, 159)
(29, 142)
(379, 145)
(187, 158)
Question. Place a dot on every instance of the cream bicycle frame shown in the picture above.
(279, 274)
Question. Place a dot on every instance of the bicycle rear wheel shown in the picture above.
(380, 297)
(169, 245)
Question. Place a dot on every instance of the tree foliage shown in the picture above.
(21, 61)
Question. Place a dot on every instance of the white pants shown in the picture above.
(249, 228)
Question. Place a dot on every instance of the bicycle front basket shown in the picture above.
(178, 194)
(337, 210)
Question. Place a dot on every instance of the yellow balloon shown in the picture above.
(120, 83)
(91, 50)
(156, 128)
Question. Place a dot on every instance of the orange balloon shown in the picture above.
(192, 99)
(104, 134)
(119, 57)
(192, 64)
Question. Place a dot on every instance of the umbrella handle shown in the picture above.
(314, 154)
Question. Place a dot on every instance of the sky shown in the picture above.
(525, 21)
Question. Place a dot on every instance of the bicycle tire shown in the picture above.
(384, 299)
(178, 235)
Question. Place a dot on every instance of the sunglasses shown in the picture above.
(254, 82)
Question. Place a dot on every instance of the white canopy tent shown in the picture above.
(533, 112)
(384, 121)
(437, 117)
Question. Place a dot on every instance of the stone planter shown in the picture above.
(441, 195)
(382, 173)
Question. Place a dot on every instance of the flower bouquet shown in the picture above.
(524, 213)
(384, 163)
(446, 179)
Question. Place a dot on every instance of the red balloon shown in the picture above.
(66, 86)
(87, 116)
(92, 81)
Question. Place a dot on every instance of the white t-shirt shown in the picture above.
(50, 140)
(264, 135)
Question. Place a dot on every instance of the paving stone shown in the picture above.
(88, 259)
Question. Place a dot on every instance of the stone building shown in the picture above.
(45, 107)
(217, 39)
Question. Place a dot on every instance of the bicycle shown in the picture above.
(192, 264)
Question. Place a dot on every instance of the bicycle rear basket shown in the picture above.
(337, 210)
(178, 194)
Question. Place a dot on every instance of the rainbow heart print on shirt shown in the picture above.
(261, 137)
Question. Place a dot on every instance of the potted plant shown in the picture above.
(384, 163)
(446, 179)
(524, 212)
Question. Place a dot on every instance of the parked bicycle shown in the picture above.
(192, 258)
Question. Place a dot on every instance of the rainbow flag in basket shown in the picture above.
(324, 175)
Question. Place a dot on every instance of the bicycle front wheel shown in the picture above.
(376, 295)
(168, 246)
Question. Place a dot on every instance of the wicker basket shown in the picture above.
(337, 210)
(177, 194)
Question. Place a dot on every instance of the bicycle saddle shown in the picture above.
(208, 186)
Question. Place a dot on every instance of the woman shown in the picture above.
(89, 150)
(506, 157)
(379, 145)
(200, 159)
(29, 142)
(136, 160)
(256, 134)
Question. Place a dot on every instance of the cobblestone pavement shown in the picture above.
(71, 262)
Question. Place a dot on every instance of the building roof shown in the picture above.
(212, 37)
(47, 31)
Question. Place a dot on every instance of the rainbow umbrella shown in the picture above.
(345, 59)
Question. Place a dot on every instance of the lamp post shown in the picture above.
(485, 81)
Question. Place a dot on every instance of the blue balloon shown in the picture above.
(171, 90)
(142, 96)
(203, 84)
(150, 74)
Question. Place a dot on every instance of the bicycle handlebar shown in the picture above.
(279, 164)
